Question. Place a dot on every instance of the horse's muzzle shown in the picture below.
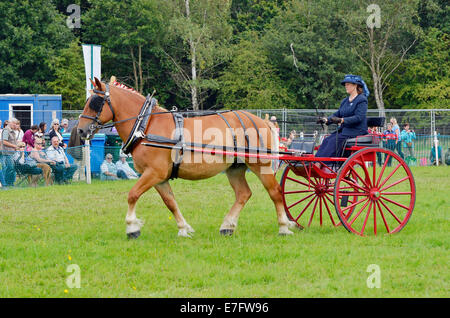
(84, 133)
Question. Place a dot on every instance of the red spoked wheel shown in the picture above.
(386, 194)
(306, 199)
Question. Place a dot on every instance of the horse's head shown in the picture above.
(94, 113)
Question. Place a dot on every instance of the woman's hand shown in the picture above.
(336, 120)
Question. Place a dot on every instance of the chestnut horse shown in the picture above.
(155, 164)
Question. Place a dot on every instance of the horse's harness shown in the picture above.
(178, 142)
(106, 98)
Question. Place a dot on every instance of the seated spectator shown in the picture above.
(41, 131)
(55, 131)
(108, 170)
(63, 170)
(64, 126)
(26, 165)
(122, 165)
(43, 162)
(28, 137)
(19, 131)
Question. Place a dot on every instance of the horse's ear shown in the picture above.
(98, 83)
(112, 80)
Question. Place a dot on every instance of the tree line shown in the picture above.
(212, 54)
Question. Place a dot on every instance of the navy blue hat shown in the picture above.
(356, 79)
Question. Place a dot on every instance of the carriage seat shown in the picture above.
(367, 140)
(306, 145)
(364, 141)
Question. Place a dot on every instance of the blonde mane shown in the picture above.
(117, 84)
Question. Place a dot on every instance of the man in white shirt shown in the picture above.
(63, 169)
(122, 164)
(8, 145)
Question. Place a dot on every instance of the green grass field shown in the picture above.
(44, 230)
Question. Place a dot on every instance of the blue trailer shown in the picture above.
(30, 108)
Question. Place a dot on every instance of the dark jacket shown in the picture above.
(52, 133)
(355, 116)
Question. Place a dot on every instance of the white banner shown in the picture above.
(92, 64)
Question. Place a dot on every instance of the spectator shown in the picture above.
(26, 165)
(273, 120)
(41, 131)
(122, 165)
(447, 157)
(8, 146)
(407, 137)
(109, 171)
(55, 131)
(376, 137)
(2, 177)
(63, 170)
(28, 137)
(2, 127)
(433, 154)
(389, 138)
(39, 155)
(64, 126)
(396, 130)
(19, 132)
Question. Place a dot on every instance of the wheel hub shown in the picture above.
(320, 190)
(375, 194)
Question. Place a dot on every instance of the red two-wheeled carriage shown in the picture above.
(371, 188)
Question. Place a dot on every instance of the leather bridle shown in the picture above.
(96, 123)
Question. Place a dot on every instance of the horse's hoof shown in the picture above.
(285, 233)
(226, 232)
(134, 235)
(184, 233)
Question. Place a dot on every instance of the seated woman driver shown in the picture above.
(351, 117)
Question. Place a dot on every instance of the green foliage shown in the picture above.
(434, 14)
(424, 80)
(254, 15)
(130, 42)
(243, 55)
(322, 52)
(202, 37)
(32, 32)
(68, 68)
(250, 81)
